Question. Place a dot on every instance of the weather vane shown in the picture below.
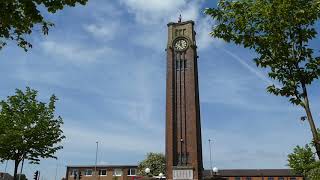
(180, 18)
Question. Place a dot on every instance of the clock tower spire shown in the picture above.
(183, 129)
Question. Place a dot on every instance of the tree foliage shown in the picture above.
(22, 176)
(18, 18)
(28, 128)
(314, 174)
(302, 160)
(155, 161)
(279, 31)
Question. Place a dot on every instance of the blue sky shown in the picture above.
(106, 63)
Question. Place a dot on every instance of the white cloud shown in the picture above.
(237, 149)
(152, 39)
(48, 77)
(190, 11)
(204, 39)
(154, 5)
(256, 72)
(130, 141)
(103, 31)
(154, 30)
(76, 52)
(237, 85)
(151, 11)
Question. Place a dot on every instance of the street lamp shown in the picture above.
(161, 175)
(147, 170)
(215, 170)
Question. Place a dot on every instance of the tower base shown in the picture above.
(182, 173)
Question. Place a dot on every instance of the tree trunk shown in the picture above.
(16, 165)
(311, 121)
(21, 168)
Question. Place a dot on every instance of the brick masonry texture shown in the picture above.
(183, 127)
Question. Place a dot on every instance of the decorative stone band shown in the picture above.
(182, 174)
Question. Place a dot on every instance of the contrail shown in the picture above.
(251, 69)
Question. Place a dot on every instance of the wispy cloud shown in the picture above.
(76, 52)
(103, 31)
(204, 39)
(151, 12)
(253, 70)
(230, 149)
(131, 141)
(152, 33)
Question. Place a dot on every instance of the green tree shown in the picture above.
(314, 174)
(279, 31)
(18, 18)
(28, 128)
(156, 162)
(302, 160)
(22, 176)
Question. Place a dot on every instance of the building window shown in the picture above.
(102, 172)
(183, 158)
(117, 172)
(292, 178)
(280, 178)
(180, 61)
(132, 172)
(88, 172)
(237, 178)
(270, 178)
(74, 172)
(181, 64)
(248, 178)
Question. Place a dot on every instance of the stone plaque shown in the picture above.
(183, 174)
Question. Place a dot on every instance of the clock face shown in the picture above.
(181, 44)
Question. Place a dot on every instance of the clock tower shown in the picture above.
(183, 131)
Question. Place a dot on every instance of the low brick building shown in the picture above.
(104, 172)
(255, 174)
(129, 172)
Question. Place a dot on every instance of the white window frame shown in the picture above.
(103, 170)
(85, 172)
(73, 172)
(130, 174)
(115, 170)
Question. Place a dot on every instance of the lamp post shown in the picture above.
(95, 167)
(210, 156)
(215, 173)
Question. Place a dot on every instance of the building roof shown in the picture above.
(102, 166)
(222, 172)
(253, 172)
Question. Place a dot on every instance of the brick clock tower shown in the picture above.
(183, 131)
